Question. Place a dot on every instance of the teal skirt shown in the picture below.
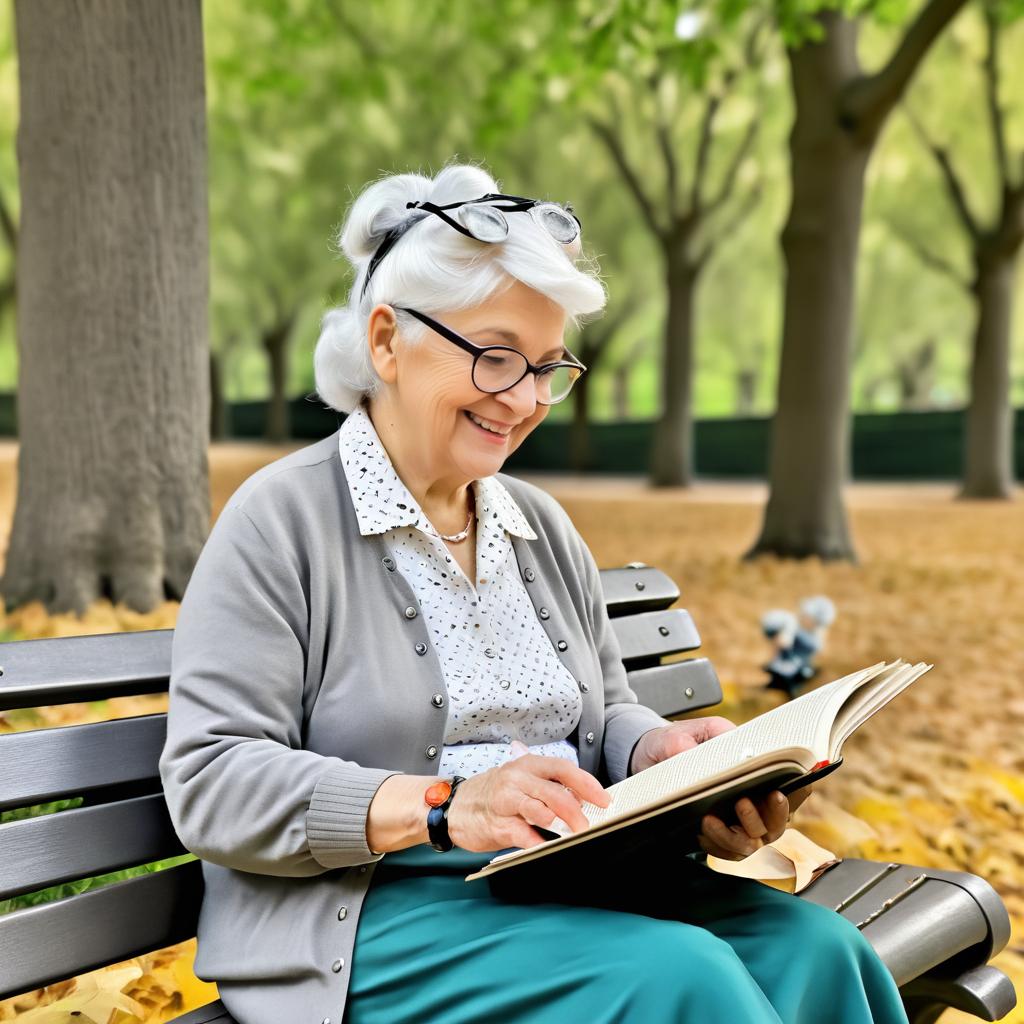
(677, 943)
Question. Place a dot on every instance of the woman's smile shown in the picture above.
(490, 435)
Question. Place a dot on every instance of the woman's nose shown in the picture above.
(522, 398)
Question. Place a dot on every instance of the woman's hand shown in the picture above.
(759, 825)
(496, 809)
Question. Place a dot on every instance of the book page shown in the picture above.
(795, 724)
(867, 700)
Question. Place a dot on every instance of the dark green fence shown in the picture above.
(898, 445)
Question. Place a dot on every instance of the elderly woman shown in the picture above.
(393, 662)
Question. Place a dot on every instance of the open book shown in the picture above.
(786, 748)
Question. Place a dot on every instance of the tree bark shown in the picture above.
(672, 456)
(113, 393)
(810, 433)
(988, 445)
(839, 113)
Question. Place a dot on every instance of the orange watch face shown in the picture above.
(437, 793)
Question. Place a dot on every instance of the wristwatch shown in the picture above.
(438, 798)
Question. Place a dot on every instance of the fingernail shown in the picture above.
(780, 798)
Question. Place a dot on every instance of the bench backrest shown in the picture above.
(122, 820)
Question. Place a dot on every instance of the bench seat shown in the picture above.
(937, 941)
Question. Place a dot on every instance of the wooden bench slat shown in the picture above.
(664, 688)
(49, 764)
(53, 941)
(649, 636)
(69, 670)
(637, 588)
(84, 842)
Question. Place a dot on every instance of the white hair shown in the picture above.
(436, 269)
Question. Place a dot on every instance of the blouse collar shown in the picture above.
(383, 502)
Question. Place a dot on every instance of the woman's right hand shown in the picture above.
(498, 808)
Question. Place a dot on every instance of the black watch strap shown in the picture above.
(437, 821)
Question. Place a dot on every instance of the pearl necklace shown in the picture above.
(456, 537)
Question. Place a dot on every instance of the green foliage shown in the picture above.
(310, 99)
(59, 892)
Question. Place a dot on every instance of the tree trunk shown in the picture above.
(672, 460)
(810, 433)
(620, 391)
(275, 344)
(579, 443)
(113, 392)
(988, 448)
(746, 391)
(219, 428)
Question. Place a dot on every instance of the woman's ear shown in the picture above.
(382, 337)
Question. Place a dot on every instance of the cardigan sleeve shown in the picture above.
(240, 790)
(625, 718)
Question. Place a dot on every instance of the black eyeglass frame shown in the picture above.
(518, 204)
(478, 350)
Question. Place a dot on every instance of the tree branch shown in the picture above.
(606, 133)
(662, 134)
(867, 100)
(740, 214)
(990, 65)
(949, 176)
(704, 148)
(7, 225)
(928, 256)
(729, 179)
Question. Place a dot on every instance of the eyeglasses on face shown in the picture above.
(497, 368)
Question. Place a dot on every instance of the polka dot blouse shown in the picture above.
(505, 681)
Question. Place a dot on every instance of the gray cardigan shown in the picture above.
(302, 676)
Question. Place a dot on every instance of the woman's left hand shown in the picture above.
(760, 824)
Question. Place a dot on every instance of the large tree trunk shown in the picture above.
(839, 113)
(810, 433)
(113, 392)
(672, 457)
(988, 448)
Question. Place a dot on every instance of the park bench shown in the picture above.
(936, 941)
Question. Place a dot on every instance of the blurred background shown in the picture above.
(807, 381)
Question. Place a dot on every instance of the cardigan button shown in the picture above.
(688, 691)
(585, 687)
(562, 645)
(504, 684)
(490, 652)
(529, 575)
(410, 612)
(437, 700)
(388, 562)
(590, 737)
(544, 613)
(337, 965)
(421, 647)
(342, 913)
(431, 751)
(326, 1020)
(664, 630)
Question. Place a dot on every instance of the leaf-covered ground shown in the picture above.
(935, 779)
